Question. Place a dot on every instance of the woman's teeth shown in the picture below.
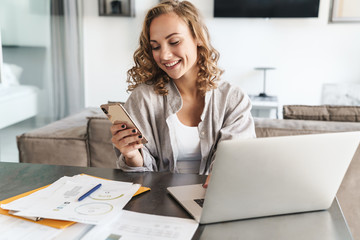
(171, 64)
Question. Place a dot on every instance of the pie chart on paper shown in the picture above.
(94, 208)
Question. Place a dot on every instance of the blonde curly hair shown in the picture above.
(147, 71)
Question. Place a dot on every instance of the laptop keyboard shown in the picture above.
(200, 202)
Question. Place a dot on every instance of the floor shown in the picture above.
(8, 147)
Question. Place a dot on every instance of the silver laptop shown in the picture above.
(271, 176)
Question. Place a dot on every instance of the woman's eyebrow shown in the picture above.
(168, 36)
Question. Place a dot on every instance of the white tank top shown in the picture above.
(188, 144)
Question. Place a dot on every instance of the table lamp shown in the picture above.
(263, 94)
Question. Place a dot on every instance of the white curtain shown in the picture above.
(67, 62)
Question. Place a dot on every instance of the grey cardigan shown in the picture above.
(226, 115)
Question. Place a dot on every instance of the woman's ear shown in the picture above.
(198, 42)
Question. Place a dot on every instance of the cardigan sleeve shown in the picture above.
(238, 121)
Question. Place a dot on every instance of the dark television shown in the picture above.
(266, 8)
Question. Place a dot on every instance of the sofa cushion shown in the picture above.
(55, 151)
(322, 113)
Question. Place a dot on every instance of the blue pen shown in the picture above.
(89, 192)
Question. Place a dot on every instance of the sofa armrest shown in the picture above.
(101, 152)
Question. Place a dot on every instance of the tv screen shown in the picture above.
(266, 8)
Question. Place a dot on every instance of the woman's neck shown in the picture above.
(187, 89)
(193, 102)
(187, 84)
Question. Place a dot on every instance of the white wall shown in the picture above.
(305, 52)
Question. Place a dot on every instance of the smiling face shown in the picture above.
(173, 46)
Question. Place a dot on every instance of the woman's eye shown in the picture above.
(155, 48)
(175, 43)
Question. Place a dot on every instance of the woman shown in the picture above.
(177, 99)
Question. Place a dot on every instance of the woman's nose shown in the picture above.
(165, 54)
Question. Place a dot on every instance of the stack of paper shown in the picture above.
(60, 200)
(59, 208)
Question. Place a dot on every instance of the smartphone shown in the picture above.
(116, 113)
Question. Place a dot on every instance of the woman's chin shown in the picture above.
(174, 76)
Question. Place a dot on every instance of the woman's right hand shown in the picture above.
(127, 141)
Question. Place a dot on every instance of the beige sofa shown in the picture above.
(84, 140)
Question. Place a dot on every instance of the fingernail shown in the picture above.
(134, 130)
(140, 136)
(123, 126)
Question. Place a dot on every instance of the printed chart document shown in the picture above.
(60, 200)
(139, 226)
